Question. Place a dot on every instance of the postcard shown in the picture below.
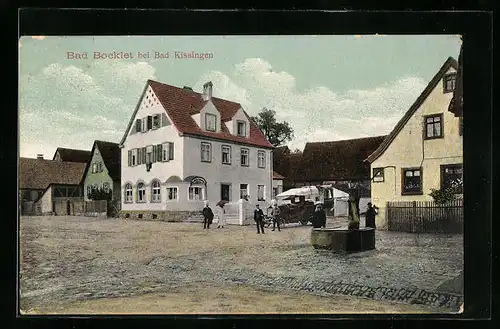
(306, 174)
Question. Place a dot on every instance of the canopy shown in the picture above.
(311, 191)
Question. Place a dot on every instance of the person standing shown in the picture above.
(319, 217)
(370, 214)
(275, 212)
(208, 216)
(258, 217)
(222, 215)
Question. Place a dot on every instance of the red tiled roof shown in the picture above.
(180, 104)
(38, 174)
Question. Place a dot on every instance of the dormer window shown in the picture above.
(210, 122)
(449, 82)
(241, 129)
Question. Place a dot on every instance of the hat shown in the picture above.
(205, 202)
(369, 203)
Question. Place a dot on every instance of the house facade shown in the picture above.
(182, 147)
(424, 150)
(45, 183)
(103, 171)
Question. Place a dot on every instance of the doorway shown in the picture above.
(225, 192)
(68, 207)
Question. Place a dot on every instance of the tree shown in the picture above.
(277, 133)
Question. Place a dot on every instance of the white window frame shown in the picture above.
(246, 190)
(159, 121)
(202, 194)
(155, 197)
(173, 188)
(139, 199)
(144, 124)
(203, 152)
(127, 190)
(247, 151)
(134, 157)
(207, 127)
(228, 148)
(244, 133)
(263, 192)
(261, 155)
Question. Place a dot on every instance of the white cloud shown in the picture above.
(317, 114)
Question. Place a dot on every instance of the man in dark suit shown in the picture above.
(208, 216)
(258, 217)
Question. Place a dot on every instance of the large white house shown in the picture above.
(182, 147)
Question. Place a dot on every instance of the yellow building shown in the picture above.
(423, 151)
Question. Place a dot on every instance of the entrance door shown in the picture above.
(68, 207)
(225, 192)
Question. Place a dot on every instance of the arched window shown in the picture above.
(141, 192)
(128, 193)
(155, 191)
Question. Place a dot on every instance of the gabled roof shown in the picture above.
(338, 160)
(38, 174)
(456, 104)
(277, 175)
(72, 155)
(111, 155)
(450, 62)
(180, 104)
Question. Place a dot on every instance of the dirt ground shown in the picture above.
(87, 265)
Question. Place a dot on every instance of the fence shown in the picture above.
(89, 208)
(425, 217)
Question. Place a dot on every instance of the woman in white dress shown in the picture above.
(222, 215)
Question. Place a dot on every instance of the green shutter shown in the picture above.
(143, 155)
(139, 157)
(159, 152)
(129, 158)
(137, 125)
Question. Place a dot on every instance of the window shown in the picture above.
(275, 191)
(141, 192)
(171, 193)
(89, 190)
(155, 191)
(143, 124)
(156, 121)
(138, 125)
(244, 157)
(134, 157)
(225, 192)
(449, 82)
(206, 152)
(434, 126)
(241, 128)
(100, 167)
(243, 190)
(460, 126)
(452, 176)
(412, 181)
(167, 151)
(261, 159)
(149, 119)
(378, 175)
(105, 187)
(261, 192)
(195, 193)
(210, 122)
(226, 154)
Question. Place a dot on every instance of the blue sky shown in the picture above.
(327, 87)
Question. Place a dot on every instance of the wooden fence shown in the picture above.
(425, 217)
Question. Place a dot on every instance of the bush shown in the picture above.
(443, 196)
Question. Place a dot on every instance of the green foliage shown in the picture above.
(100, 194)
(277, 133)
(443, 196)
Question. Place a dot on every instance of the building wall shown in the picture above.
(98, 179)
(216, 173)
(409, 149)
(159, 170)
(46, 201)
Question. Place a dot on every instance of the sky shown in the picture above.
(327, 87)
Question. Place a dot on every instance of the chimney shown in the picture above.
(207, 91)
(188, 88)
(39, 156)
